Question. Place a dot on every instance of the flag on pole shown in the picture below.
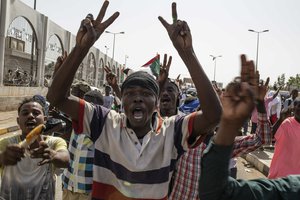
(154, 65)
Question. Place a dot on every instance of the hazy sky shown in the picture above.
(219, 27)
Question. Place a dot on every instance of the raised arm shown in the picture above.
(181, 38)
(246, 144)
(215, 183)
(238, 103)
(112, 81)
(89, 31)
(164, 73)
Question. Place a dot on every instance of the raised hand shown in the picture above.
(238, 98)
(90, 29)
(179, 81)
(237, 102)
(262, 89)
(217, 89)
(179, 31)
(164, 70)
(111, 78)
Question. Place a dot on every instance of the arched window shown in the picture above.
(53, 51)
(101, 73)
(91, 70)
(20, 61)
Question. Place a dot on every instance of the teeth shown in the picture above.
(138, 114)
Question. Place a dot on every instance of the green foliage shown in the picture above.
(292, 83)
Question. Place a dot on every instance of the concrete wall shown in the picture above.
(11, 96)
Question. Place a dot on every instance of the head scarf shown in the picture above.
(142, 79)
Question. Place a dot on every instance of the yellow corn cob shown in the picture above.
(32, 135)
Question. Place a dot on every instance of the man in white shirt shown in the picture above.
(108, 98)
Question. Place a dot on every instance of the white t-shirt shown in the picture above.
(26, 180)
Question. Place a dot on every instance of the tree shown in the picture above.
(293, 82)
(280, 82)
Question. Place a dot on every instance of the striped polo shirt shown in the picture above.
(126, 167)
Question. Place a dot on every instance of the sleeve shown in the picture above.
(214, 171)
(246, 144)
(278, 109)
(269, 104)
(285, 105)
(3, 144)
(215, 184)
(183, 130)
(91, 119)
(267, 189)
(59, 144)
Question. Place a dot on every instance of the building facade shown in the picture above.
(29, 46)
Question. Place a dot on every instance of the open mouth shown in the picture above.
(165, 100)
(30, 125)
(137, 113)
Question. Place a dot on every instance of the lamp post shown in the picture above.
(106, 50)
(114, 34)
(257, 44)
(126, 57)
(215, 60)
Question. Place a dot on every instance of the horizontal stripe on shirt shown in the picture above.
(103, 191)
(153, 176)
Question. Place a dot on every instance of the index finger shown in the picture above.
(44, 161)
(164, 22)
(267, 82)
(165, 60)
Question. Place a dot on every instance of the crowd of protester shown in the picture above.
(148, 138)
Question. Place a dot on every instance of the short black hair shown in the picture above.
(94, 97)
(33, 99)
(174, 83)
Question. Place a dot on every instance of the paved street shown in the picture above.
(247, 171)
(8, 119)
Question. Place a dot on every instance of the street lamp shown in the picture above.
(257, 44)
(215, 60)
(125, 60)
(106, 49)
(122, 32)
